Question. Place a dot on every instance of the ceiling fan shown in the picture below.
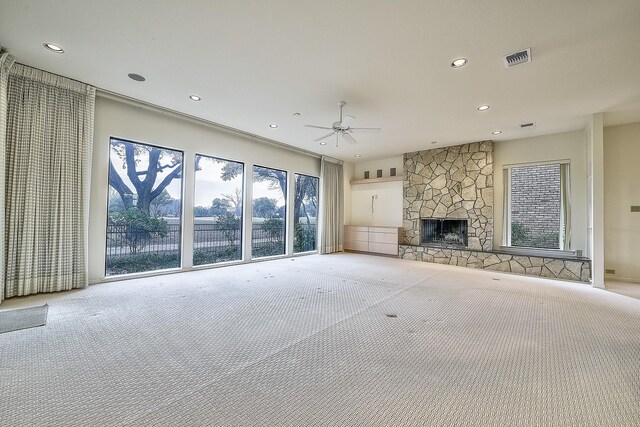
(342, 128)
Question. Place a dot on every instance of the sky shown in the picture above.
(208, 184)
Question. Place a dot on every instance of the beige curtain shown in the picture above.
(565, 207)
(6, 61)
(332, 206)
(506, 207)
(48, 158)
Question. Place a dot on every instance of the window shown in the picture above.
(305, 213)
(217, 223)
(144, 211)
(269, 212)
(537, 206)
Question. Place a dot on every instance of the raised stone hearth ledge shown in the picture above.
(554, 268)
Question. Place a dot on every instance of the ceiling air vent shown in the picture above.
(527, 125)
(517, 58)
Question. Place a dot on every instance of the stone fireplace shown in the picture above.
(452, 183)
(443, 232)
(448, 215)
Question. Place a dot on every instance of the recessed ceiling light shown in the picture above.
(323, 143)
(358, 155)
(483, 107)
(460, 62)
(136, 77)
(496, 132)
(53, 48)
(273, 125)
(195, 97)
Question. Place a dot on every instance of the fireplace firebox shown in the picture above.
(444, 232)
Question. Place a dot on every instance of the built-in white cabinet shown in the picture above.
(381, 240)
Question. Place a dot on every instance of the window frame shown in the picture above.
(317, 213)
(181, 217)
(242, 212)
(564, 227)
(285, 216)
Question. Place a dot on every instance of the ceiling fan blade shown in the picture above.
(346, 122)
(371, 130)
(349, 138)
(323, 137)
(317, 127)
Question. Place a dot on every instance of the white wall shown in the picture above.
(387, 202)
(348, 172)
(141, 124)
(563, 146)
(621, 191)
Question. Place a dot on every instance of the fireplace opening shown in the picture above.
(444, 232)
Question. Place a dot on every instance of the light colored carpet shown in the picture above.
(313, 341)
(23, 318)
(623, 288)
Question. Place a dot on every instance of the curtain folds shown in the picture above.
(49, 133)
(332, 207)
(6, 61)
(565, 207)
(506, 207)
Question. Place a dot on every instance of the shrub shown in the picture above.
(136, 227)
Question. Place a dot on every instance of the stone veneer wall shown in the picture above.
(453, 182)
(568, 269)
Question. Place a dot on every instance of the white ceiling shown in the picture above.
(258, 62)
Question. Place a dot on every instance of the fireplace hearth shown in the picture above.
(444, 232)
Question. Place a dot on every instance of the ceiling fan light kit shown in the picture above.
(342, 127)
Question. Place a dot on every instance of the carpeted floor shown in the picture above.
(335, 340)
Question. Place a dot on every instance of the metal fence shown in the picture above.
(123, 240)
(214, 243)
(267, 239)
(130, 249)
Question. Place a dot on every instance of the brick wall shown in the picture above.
(535, 206)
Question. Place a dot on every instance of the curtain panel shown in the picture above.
(332, 206)
(49, 134)
(565, 207)
(6, 61)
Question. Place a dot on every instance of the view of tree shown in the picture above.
(235, 200)
(305, 201)
(135, 227)
(276, 178)
(165, 205)
(144, 188)
(220, 207)
(264, 207)
(140, 178)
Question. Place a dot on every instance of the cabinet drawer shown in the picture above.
(355, 228)
(383, 248)
(389, 230)
(383, 238)
(356, 236)
(356, 246)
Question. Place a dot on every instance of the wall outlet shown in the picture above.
(610, 271)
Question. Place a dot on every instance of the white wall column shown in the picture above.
(595, 204)
(188, 194)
